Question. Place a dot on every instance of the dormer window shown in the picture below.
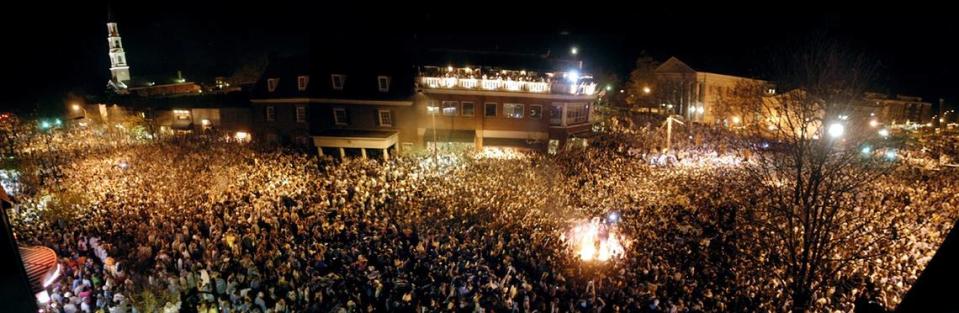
(271, 84)
(301, 82)
(337, 80)
(384, 83)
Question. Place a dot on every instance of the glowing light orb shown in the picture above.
(595, 240)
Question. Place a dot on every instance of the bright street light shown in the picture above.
(884, 132)
(572, 76)
(574, 50)
(646, 90)
(873, 123)
(836, 130)
(75, 107)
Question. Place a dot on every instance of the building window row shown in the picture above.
(337, 81)
(468, 109)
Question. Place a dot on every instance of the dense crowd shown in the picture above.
(221, 227)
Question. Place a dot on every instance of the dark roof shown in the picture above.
(934, 290)
(361, 71)
(362, 66)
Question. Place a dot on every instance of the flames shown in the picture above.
(595, 240)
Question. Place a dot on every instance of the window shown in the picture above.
(271, 84)
(513, 110)
(491, 110)
(340, 117)
(337, 81)
(468, 108)
(270, 113)
(450, 108)
(300, 114)
(577, 113)
(384, 83)
(556, 114)
(535, 111)
(386, 118)
(301, 82)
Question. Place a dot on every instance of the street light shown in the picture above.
(75, 107)
(873, 123)
(574, 51)
(884, 132)
(646, 90)
(836, 130)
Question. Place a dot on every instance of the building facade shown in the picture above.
(702, 96)
(898, 110)
(119, 70)
(495, 107)
(377, 106)
(340, 107)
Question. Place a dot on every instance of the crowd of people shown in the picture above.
(207, 226)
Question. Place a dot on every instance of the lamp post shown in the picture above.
(669, 130)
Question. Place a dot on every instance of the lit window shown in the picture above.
(468, 108)
(384, 83)
(270, 113)
(340, 117)
(300, 114)
(301, 82)
(491, 110)
(556, 114)
(577, 113)
(386, 118)
(450, 108)
(271, 84)
(513, 110)
(337, 80)
(535, 111)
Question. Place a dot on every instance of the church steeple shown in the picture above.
(119, 70)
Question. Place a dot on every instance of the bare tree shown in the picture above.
(807, 170)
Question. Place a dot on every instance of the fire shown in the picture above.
(595, 240)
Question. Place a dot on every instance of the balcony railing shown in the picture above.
(499, 84)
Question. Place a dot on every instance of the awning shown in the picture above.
(41, 266)
(347, 138)
(515, 143)
(450, 135)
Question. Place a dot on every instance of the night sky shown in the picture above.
(53, 51)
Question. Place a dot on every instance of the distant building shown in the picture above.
(226, 114)
(899, 110)
(701, 96)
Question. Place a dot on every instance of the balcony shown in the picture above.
(503, 80)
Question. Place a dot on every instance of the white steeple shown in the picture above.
(119, 69)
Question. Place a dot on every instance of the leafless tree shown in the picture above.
(807, 169)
